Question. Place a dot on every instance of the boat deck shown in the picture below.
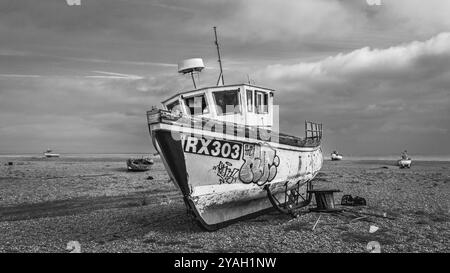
(313, 131)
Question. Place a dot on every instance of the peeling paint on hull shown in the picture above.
(223, 181)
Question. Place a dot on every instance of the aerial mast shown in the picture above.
(220, 60)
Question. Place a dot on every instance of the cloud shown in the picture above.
(12, 52)
(419, 17)
(163, 32)
(401, 92)
(73, 114)
(116, 62)
(408, 60)
(100, 66)
(19, 76)
(113, 75)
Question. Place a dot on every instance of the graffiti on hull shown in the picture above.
(260, 164)
(226, 172)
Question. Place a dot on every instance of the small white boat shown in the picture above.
(50, 153)
(404, 163)
(336, 156)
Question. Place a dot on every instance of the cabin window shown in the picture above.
(266, 103)
(227, 102)
(197, 105)
(250, 100)
(261, 102)
(174, 106)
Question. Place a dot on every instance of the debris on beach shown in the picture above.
(359, 212)
(316, 222)
(348, 200)
(373, 229)
(74, 247)
(358, 218)
(374, 247)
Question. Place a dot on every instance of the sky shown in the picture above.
(79, 79)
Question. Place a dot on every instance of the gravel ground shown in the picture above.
(44, 204)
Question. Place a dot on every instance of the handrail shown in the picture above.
(313, 131)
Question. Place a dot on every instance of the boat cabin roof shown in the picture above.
(213, 88)
(239, 103)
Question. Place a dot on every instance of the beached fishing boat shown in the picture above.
(336, 156)
(219, 148)
(404, 163)
(50, 153)
(139, 164)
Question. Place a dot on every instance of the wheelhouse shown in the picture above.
(242, 104)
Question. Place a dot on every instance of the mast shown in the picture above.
(220, 60)
(193, 80)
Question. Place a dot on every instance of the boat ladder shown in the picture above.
(293, 199)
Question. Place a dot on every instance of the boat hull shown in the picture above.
(51, 155)
(223, 179)
(336, 157)
(404, 163)
(138, 165)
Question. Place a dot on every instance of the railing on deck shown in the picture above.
(313, 131)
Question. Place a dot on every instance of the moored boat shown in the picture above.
(139, 164)
(404, 163)
(336, 156)
(50, 153)
(219, 148)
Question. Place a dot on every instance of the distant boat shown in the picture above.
(404, 163)
(50, 153)
(336, 156)
(139, 164)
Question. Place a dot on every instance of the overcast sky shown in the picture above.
(80, 78)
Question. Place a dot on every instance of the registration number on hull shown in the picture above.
(212, 147)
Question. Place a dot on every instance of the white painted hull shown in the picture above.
(404, 163)
(51, 155)
(336, 157)
(221, 185)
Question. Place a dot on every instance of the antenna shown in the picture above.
(220, 60)
(191, 66)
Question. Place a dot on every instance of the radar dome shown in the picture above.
(190, 65)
